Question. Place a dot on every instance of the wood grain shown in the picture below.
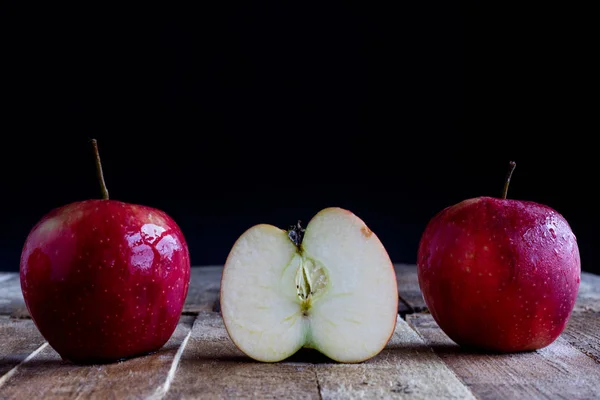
(213, 368)
(588, 297)
(557, 371)
(203, 295)
(202, 362)
(47, 376)
(583, 332)
(18, 339)
(406, 368)
(5, 276)
(409, 290)
(11, 296)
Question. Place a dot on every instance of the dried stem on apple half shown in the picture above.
(296, 234)
(103, 187)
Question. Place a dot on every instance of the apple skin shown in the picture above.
(499, 274)
(105, 280)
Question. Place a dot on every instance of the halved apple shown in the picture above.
(331, 287)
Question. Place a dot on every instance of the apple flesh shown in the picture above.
(105, 280)
(331, 288)
(499, 274)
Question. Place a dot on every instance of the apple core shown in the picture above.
(311, 281)
(311, 275)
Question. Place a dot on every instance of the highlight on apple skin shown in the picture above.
(330, 287)
(105, 280)
(499, 274)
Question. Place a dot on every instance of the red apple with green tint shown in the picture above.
(105, 280)
(499, 274)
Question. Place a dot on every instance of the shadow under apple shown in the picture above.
(452, 349)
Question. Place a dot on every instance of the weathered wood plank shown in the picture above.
(47, 376)
(406, 368)
(203, 294)
(18, 339)
(6, 276)
(583, 332)
(557, 371)
(404, 308)
(213, 368)
(11, 296)
(588, 297)
(408, 289)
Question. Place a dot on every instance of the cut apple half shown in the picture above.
(330, 287)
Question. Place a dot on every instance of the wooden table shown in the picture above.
(200, 361)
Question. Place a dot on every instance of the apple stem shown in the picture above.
(296, 234)
(99, 172)
(511, 168)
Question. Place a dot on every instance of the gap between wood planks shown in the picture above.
(164, 388)
(4, 378)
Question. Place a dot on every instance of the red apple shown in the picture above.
(499, 274)
(105, 280)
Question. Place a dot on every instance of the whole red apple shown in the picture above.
(499, 274)
(105, 280)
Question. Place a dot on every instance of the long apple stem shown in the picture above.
(511, 168)
(99, 172)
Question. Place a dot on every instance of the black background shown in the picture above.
(230, 115)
